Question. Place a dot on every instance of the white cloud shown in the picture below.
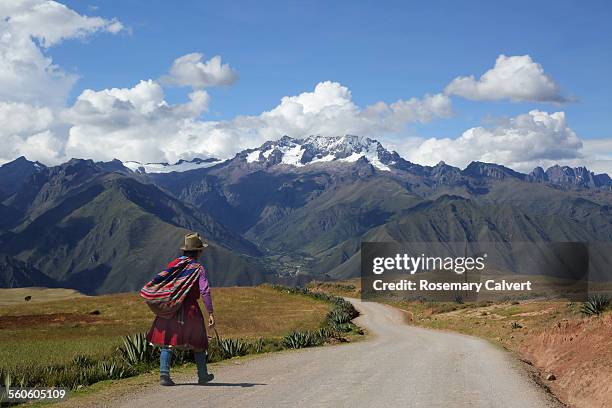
(44, 147)
(522, 142)
(50, 22)
(138, 124)
(128, 123)
(27, 27)
(189, 70)
(330, 111)
(19, 122)
(22, 118)
(599, 154)
(517, 78)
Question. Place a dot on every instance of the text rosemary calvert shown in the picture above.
(410, 264)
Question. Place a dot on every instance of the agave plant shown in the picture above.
(7, 381)
(82, 361)
(338, 316)
(326, 332)
(233, 347)
(136, 350)
(257, 346)
(595, 305)
(301, 339)
(113, 370)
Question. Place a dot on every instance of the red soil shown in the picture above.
(579, 354)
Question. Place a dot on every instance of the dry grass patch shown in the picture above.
(16, 296)
(54, 332)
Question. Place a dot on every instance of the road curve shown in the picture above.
(400, 366)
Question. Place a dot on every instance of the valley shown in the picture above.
(288, 212)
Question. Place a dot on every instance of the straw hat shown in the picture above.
(193, 242)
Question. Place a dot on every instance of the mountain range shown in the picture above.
(288, 211)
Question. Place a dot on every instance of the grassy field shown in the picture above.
(16, 296)
(57, 325)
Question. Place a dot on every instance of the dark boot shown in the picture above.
(206, 379)
(203, 375)
(166, 381)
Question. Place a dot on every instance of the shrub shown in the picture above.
(339, 316)
(595, 305)
(337, 320)
(301, 339)
(114, 370)
(233, 348)
(136, 355)
(326, 332)
(257, 346)
(515, 325)
(82, 361)
(136, 351)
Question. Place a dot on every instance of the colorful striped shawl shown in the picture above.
(166, 292)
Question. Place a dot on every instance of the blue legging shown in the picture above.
(166, 355)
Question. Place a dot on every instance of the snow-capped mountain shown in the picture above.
(179, 166)
(321, 149)
(351, 149)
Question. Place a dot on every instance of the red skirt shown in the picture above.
(190, 334)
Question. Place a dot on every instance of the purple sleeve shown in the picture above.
(205, 291)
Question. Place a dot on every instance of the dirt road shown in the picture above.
(400, 366)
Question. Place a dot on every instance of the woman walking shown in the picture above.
(173, 296)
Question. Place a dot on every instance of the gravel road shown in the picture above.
(399, 366)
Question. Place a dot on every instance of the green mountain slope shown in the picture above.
(113, 233)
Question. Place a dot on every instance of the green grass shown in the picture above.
(319, 318)
(39, 334)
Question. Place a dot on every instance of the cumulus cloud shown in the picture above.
(20, 122)
(599, 155)
(21, 118)
(522, 142)
(50, 22)
(32, 88)
(517, 78)
(27, 28)
(190, 70)
(44, 147)
(128, 123)
(329, 110)
(139, 124)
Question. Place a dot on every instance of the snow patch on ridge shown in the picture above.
(180, 166)
(253, 156)
(322, 149)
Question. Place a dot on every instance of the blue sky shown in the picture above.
(379, 50)
(377, 55)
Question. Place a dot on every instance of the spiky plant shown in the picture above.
(5, 376)
(301, 339)
(113, 370)
(326, 332)
(338, 316)
(136, 350)
(515, 325)
(82, 361)
(595, 305)
(233, 347)
(257, 346)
